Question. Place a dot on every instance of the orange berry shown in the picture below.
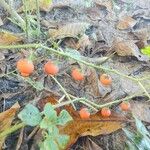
(24, 74)
(125, 106)
(77, 75)
(84, 114)
(25, 67)
(50, 68)
(105, 79)
(105, 112)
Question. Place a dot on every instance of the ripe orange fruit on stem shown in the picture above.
(105, 112)
(25, 67)
(105, 79)
(77, 75)
(84, 113)
(50, 68)
(125, 106)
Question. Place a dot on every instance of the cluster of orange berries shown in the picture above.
(105, 111)
(26, 68)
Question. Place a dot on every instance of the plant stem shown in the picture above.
(89, 105)
(86, 63)
(67, 102)
(141, 85)
(20, 46)
(12, 12)
(38, 18)
(26, 19)
(12, 129)
(61, 53)
(62, 88)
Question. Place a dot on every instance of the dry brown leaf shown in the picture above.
(143, 34)
(71, 43)
(141, 110)
(126, 22)
(90, 145)
(69, 30)
(9, 38)
(84, 42)
(128, 48)
(105, 3)
(96, 125)
(6, 119)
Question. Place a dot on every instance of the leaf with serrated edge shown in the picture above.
(30, 115)
(50, 113)
(63, 118)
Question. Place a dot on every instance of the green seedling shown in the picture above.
(48, 120)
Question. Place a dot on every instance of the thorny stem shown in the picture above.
(141, 85)
(26, 18)
(20, 125)
(62, 88)
(61, 53)
(87, 104)
(12, 129)
(20, 46)
(12, 12)
(38, 18)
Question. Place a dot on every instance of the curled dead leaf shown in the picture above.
(128, 48)
(105, 3)
(69, 30)
(96, 125)
(6, 119)
(7, 38)
(126, 22)
(141, 110)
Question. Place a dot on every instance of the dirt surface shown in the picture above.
(101, 39)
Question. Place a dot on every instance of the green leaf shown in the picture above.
(63, 118)
(145, 143)
(129, 134)
(62, 141)
(49, 144)
(146, 50)
(73, 53)
(50, 113)
(140, 127)
(53, 131)
(46, 123)
(130, 146)
(30, 115)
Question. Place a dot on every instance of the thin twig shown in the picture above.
(64, 54)
(12, 12)
(12, 129)
(38, 18)
(26, 18)
(141, 85)
(62, 88)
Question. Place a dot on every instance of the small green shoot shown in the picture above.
(146, 51)
(140, 140)
(47, 120)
